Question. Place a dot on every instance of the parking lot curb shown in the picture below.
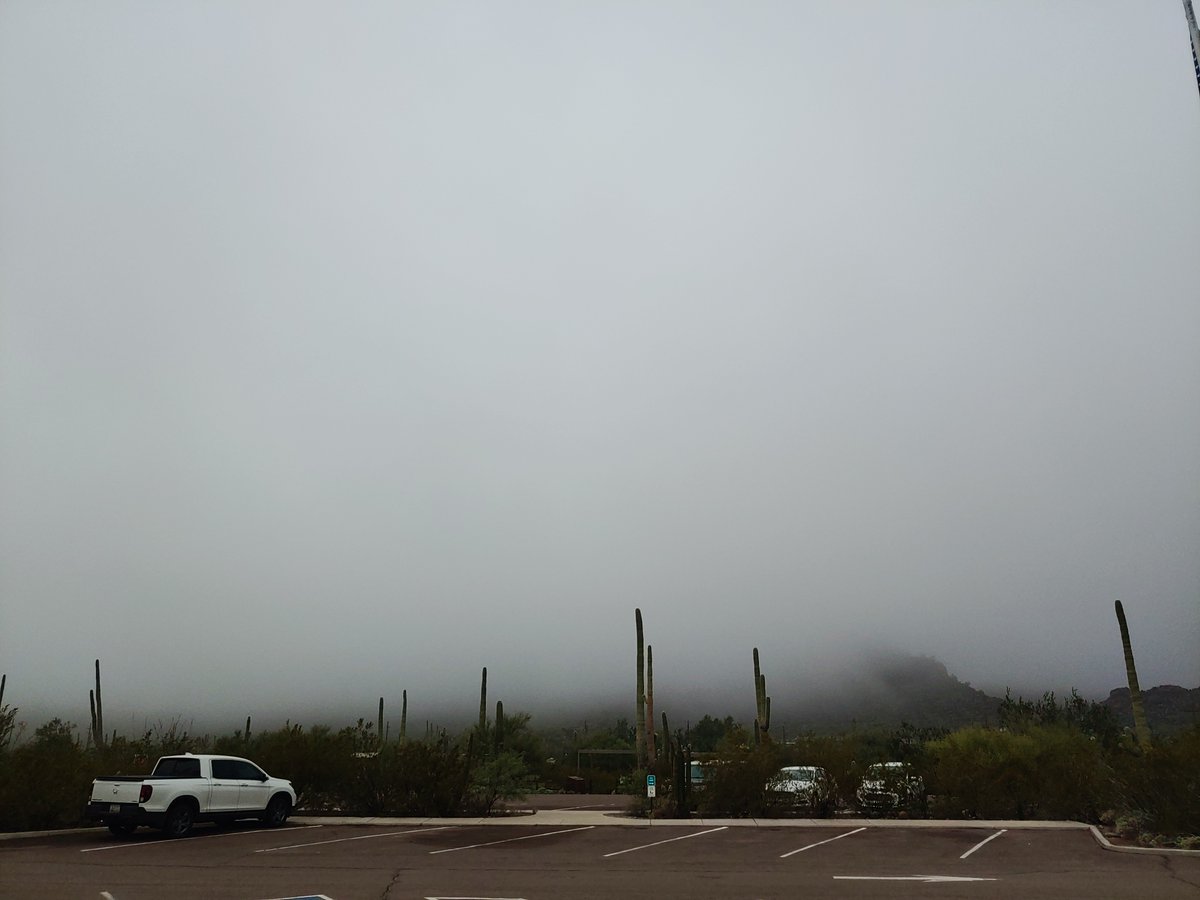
(1118, 848)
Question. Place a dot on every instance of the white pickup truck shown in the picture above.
(190, 788)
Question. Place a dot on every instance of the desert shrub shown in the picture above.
(1160, 788)
(44, 783)
(410, 779)
(736, 782)
(504, 776)
(1041, 772)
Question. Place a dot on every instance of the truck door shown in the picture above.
(226, 785)
(253, 795)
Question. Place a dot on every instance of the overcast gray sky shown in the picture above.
(350, 347)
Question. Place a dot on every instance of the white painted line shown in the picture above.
(305, 897)
(203, 837)
(928, 879)
(107, 896)
(474, 898)
(527, 837)
(360, 837)
(819, 843)
(984, 841)
(682, 837)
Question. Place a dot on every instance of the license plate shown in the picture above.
(114, 807)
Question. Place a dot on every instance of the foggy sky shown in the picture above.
(348, 348)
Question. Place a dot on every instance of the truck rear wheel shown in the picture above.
(180, 818)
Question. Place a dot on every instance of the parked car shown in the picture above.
(891, 787)
(807, 788)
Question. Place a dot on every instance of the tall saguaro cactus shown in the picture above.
(640, 735)
(1141, 727)
(97, 706)
(483, 703)
(651, 754)
(403, 713)
(499, 725)
(379, 726)
(762, 703)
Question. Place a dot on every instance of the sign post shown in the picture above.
(651, 788)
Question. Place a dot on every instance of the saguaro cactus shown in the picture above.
(379, 725)
(762, 703)
(247, 729)
(97, 706)
(499, 725)
(651, 754)
(403, 713)
(640, 735)
(483, 702)
(1141, 727)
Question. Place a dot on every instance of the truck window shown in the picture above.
(178, 767)
(225, 768)
(248, 771)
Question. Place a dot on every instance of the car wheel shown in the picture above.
(180, 819)
(122, 829)
(277, 811)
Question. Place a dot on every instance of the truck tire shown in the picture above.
(180, 818)
(277, 811)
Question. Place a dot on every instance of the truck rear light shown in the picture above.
(147, 790)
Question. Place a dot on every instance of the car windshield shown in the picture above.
(799, 774)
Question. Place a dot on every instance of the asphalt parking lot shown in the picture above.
(557, 861)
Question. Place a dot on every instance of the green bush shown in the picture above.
(736, 781)
(46, 782)
(1159, 790)
(1043, 772)
(411, 779)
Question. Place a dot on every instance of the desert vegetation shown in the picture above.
(1046, 758)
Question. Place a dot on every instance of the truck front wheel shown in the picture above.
(277, 811)
(180, 818)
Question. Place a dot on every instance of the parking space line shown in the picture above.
(357, 837)
(682, 837)
(527, 837)
(819, 843)
(984, 841)
(205, 837)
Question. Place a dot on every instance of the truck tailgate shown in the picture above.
(123, 791)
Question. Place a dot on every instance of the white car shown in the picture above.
(890, 787)
(803, 787)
